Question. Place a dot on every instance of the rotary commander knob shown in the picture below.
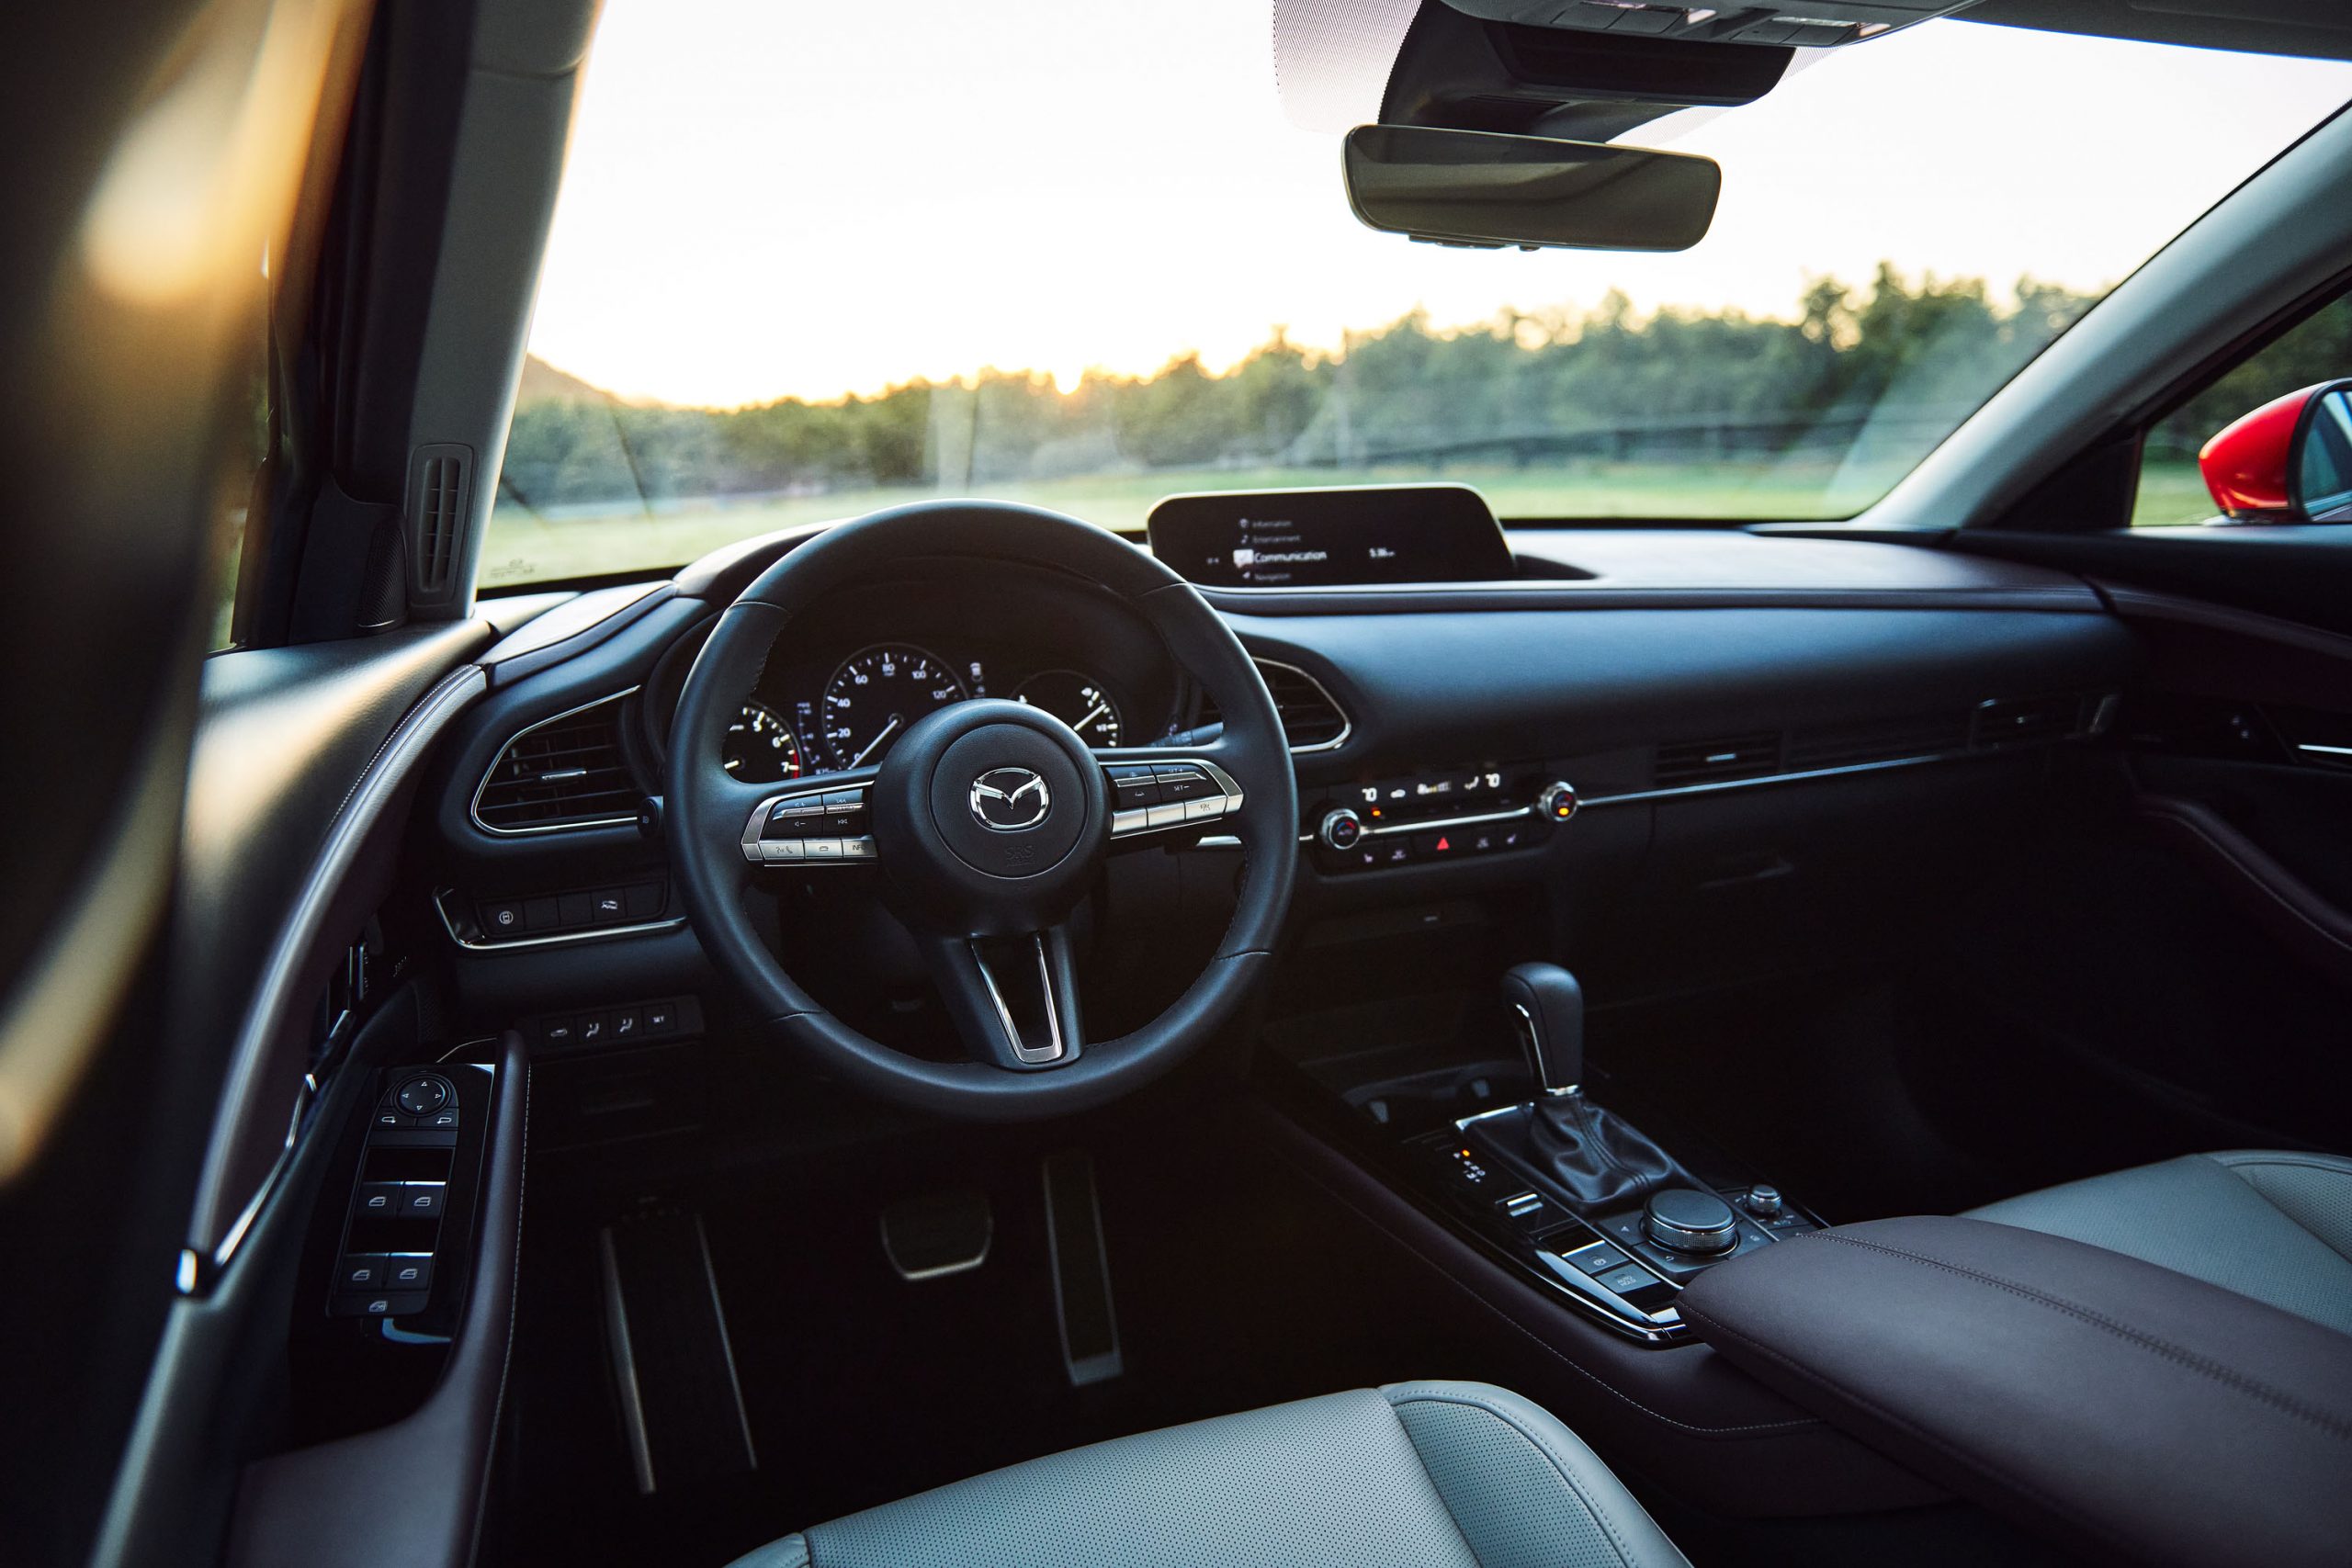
(1557, 802)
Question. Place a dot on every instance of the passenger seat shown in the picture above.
(2267, 1223)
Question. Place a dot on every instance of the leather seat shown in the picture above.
(2273, 1225)
(1414, 1475)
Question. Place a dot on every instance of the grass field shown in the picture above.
(522, 548)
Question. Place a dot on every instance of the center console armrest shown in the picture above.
(2131, 1410)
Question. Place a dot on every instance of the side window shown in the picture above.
(2172, 492)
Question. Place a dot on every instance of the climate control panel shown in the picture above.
(1439, 814)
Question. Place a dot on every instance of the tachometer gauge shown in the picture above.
(1077, 700)
(760, 746)
(876, 694)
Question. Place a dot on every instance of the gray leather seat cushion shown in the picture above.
(2274, 1226)
(1414, 1475)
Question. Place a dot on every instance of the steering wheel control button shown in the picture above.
(1183, 782)
(797, 813)
(1134, 785)
(1693, 1224)
(814, 849)
(857, 849)
(422, 1097)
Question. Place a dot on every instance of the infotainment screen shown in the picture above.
(1323, 538)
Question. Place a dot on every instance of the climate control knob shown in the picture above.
(1557, 802)
(1694, 1223)
(1341, 829)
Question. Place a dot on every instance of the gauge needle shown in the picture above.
(1097, 712)
(888, 730)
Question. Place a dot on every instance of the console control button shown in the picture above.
(1558, 801)
(1341, 829)
(407, 1270)
(423, 1200)
(1600, 1258)
(360, 1271)
(1626, 1281)
(504, 917)
(1762, 1201)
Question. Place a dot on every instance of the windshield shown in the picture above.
(808, 261)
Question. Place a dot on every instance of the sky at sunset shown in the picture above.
(772, 198)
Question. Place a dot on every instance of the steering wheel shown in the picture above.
(988, 822)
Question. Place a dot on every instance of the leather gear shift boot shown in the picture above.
(1598, 1160)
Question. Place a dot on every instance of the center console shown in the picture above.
(1578, 1197)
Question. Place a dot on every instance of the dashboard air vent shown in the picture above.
(566, 772)
(2022, 721)
(1311, 719)
(1681, 763)
(1878, 740)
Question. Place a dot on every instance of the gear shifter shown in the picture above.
(1597, 1159)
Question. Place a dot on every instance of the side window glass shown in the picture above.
(2319, 349)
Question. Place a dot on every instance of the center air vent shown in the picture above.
(566, 772)
(1311, 719)
(1681, 763)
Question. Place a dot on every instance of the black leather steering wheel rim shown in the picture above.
(705, 808)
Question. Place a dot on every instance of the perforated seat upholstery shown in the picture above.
(2273, 1225)
(1414, 1475)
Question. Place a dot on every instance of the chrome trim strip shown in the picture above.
(1435, 823)
(473, 806)
(1592, 800)
(1052, 1050)
(553, 939)
(2323, 751)
(1347, 725)
(726, 1346)
(624, 1354)
(386, 773)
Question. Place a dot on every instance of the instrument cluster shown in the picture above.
(870, 695)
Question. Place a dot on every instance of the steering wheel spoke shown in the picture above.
(1013, 999)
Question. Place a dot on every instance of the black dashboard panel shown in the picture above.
(1612, 652)
(1449, 685)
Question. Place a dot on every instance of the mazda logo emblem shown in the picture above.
(1006, 800)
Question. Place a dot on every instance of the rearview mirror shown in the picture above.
(1479, 188)
(2288, 461)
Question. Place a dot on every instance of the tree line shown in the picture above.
(1532, 384)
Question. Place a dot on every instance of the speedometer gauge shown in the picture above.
(1077, 700)
(760, 746)
(876, 694)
